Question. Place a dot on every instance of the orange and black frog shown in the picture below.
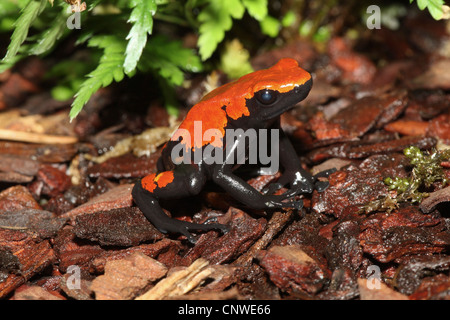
(236, 123)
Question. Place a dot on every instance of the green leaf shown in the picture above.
(422, 4)
(256, 8)
(110, 68)
(49, 37)
(323, 34)
(23, 23)
(61, 93)
(142, 19)
(288, 19)
(270, 26)
(434, 7)
(215, 19)
(7, 7)
(168, 59)
(235, 60)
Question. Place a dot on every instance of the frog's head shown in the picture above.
(278, 89)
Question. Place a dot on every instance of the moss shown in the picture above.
(426, 170)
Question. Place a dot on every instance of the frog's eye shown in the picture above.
(267, 96)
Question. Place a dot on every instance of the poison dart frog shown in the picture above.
(253, 102)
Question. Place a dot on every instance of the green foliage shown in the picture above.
(215, 19)
(435, 7)
(110, 68)
(28, 15)
(234, 61)
(48, 37)
(121, 39)
(142, 19)
(168, 60)
(270, 26)
(426, 170)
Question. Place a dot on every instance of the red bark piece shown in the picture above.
(436, 77)
(15, 90)
(404, 232)
(358, 117)
(402, 241)
(32, 257)
(436, 197)
(18, 164)
(35, 293)
(426, 104)
(244, 231)
(381, 292)
(439, 127)
(409, 216)
(292, 270)
(408, 127)
(54, 180)
(344, 251)
(40, 152)
(411, 275)
(153, 250)
(432, 288)
(17, 198)
(326, 130)
(357, 150)
(126, 166)
(39, 223)
(117, 227)
(394, 104)
(72, 251)
(118, 197)
(124, 279)
(355, 67)
(357, 185)
(13, 177)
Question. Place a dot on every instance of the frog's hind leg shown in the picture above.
(170, 185)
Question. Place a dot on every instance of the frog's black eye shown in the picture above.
(267, 96)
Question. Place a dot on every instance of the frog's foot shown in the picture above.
(306, 185)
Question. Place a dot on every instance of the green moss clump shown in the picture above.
(426, 170)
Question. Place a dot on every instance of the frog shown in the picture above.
(253, 102)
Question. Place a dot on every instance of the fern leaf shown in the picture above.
(215, 19)
(23, 23)
(49, 37)
(110, 68)
(169, 59)
(435, 7)
(142, 19)
(256, 8)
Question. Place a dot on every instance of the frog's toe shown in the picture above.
(272, 188)
(321, 186)
(324, 173)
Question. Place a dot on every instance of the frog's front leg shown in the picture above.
(240, 190)
(294, 175)
(184, 180)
